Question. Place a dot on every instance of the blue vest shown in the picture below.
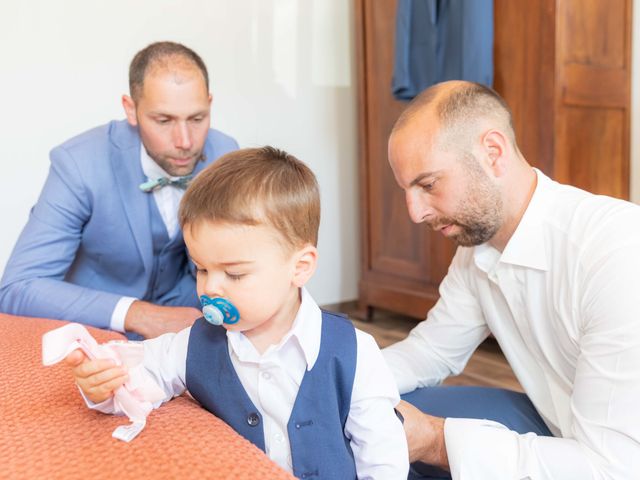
(319, 448)
(169, 257)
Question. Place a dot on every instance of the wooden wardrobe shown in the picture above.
(563, 66)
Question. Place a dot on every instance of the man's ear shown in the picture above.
(130, 110)
(494, 145)
(305, 266)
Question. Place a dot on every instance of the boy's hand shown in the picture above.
(97, 379)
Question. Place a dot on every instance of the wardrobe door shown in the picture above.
(593, 95)
(524, 74)
(402, 263)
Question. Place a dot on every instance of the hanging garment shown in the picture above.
(439, 40)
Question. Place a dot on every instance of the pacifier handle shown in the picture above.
(213, 315)
(219, 310)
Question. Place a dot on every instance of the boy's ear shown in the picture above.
(306, 261)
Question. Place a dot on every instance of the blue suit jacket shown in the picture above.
(88, 240)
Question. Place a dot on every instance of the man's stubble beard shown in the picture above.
(168, 167)
(480, 215)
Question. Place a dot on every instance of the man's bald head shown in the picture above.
(164, 56)
(457, 110)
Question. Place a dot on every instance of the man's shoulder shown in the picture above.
(117, 132)
(579, 209)
(219, 144)
(589, 224)
(219, 136)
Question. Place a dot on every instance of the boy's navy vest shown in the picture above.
(319, 448)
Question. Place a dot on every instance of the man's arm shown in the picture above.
(33, 283)
(425, 436)
(601, 429)
(441, 345)
(34, 280)
(151, 320)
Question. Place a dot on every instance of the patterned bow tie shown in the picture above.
(151, 185)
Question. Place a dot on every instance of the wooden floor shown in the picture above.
(487, 366)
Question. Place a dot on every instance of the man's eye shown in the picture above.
(162, 121)
(197, 119)
(427, 187)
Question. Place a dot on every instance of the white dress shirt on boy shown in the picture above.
(272, 381)
(168, 201)
(563, 302)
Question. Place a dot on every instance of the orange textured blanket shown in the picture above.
(46, 431)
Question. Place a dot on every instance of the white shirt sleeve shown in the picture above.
(602, 440)
(442, 344)
(165, 358)
(377, 436)
(486, 449)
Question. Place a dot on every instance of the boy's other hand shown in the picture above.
(97, 379)
(150, 320)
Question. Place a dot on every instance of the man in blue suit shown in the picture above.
(102, 245)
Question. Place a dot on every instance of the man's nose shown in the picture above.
(182, 136)
(418, 207)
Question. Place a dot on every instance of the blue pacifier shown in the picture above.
(217, 310)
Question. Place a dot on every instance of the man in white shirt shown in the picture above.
(550, 270)
(102, 245)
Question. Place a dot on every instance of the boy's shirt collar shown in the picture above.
(305, 332)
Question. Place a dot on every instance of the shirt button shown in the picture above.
(253, 419)
(279, 437)
(266, 375)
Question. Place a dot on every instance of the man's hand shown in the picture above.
(151, 320)
(425, 436)
(97, 379)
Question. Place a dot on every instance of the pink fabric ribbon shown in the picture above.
(136, 397)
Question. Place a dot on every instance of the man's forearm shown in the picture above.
(57, 299)
(425, 436)
(436, 451)
(151, 320)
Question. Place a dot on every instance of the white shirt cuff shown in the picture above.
(480, 449)
(120, 313)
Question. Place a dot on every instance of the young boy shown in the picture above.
(303, 385)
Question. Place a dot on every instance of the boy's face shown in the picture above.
(250, 267)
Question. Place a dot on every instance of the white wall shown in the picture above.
(282, 74)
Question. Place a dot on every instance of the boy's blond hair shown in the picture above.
(257, 186)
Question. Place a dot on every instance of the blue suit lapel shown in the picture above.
(209, 154)
(125, 158)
